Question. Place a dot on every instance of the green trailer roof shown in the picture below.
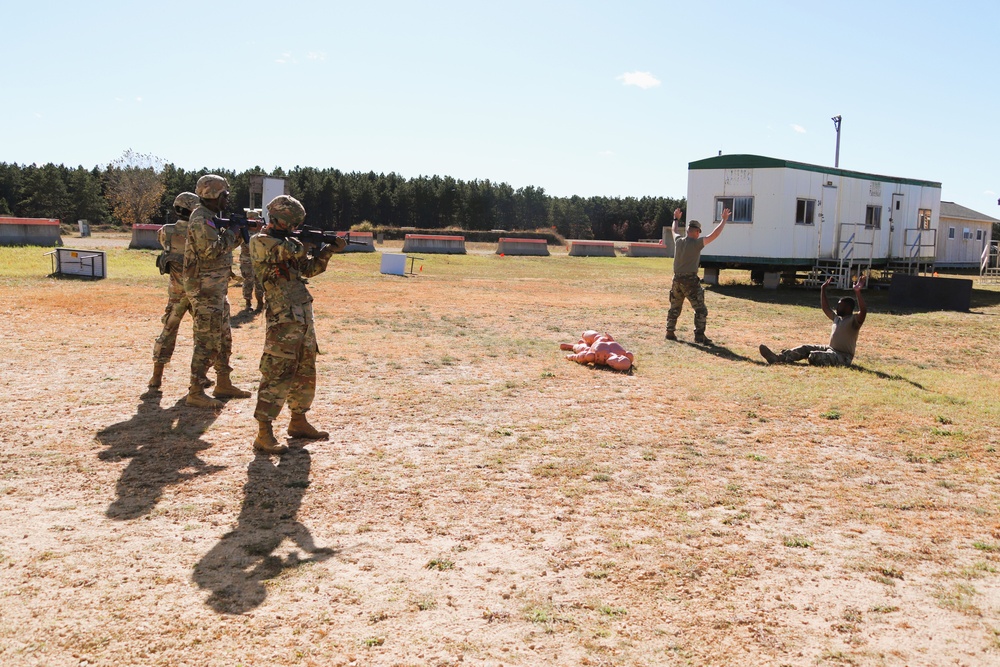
(761, 162)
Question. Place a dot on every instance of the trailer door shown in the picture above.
(829, 218)
(897, 227)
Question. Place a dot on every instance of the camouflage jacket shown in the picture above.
(207, 249)
(281, 266)
(173, 238)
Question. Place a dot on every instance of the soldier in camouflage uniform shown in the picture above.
(250, 282)
(687, 285)
(288, 366)
(208, 261)
(172, 238)
(843, 334)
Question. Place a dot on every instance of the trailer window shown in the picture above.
(924, 218)
(979, 235)
(805, 211)
(951, 232)
(873, 217)
(741, 208)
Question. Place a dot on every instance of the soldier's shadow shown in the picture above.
(162, 445)
(236, 569)
(238, 319)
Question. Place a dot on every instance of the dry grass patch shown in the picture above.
(483, 500)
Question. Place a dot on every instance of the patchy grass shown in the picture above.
(481, 500)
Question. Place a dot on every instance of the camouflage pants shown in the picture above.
(818, 355)
(687, 286)
(177, 305)
(213, 337)
(287, 368)
(250, 283)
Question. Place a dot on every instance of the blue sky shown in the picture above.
(589, 98)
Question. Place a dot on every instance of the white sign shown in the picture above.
(271, 188)
(393, 264)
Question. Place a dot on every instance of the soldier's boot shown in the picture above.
(265, 441)
(769, 356)
(248, 308)
(197, 398)
(702, 339)
(226, 389)
(299, 427)
(671, 335)
(260, 304)
(154, 382)
(772, 358)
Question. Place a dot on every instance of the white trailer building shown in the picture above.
(790, 216)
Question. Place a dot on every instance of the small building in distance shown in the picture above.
(962, 235)
(790, 216)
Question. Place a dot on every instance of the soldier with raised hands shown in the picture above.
(172, 237)
(282, 263)
(208, 261)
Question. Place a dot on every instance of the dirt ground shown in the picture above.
(483, 501)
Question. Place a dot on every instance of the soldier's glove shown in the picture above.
(338, 244)
(324, 251)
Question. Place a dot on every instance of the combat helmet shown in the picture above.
(185, 202)
(211, 186)
(286, 212)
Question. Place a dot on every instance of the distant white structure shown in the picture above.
(790, 216)
(963, 235)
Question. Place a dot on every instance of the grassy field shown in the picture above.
(483, 501)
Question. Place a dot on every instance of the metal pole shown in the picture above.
(836, 124)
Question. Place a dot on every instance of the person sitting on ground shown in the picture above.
(599, 349)
(843, 337)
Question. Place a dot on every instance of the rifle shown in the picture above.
(241, 224)
(316, 237)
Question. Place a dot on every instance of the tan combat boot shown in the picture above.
(225, 388)
(265, 442)
(298, 427)
(197, 398)
(154, 382)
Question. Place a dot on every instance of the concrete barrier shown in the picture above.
(30, 231)
(647, 250)
(367, 238)
(591, 248)
(512, 246)
(430, 243)
(144, 236)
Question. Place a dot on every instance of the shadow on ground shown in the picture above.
(237, 567)
(725, 353)
(886, 376)
(877, 300)
(242, 317)
(162, 446)
(722, 352)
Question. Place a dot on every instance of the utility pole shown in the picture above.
(836, 124)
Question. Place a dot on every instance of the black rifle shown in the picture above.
(240, 224)
(315, 236)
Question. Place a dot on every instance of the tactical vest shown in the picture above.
(283, 281)
(172, 238)
(207, 249)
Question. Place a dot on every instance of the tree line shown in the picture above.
(141, 189)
